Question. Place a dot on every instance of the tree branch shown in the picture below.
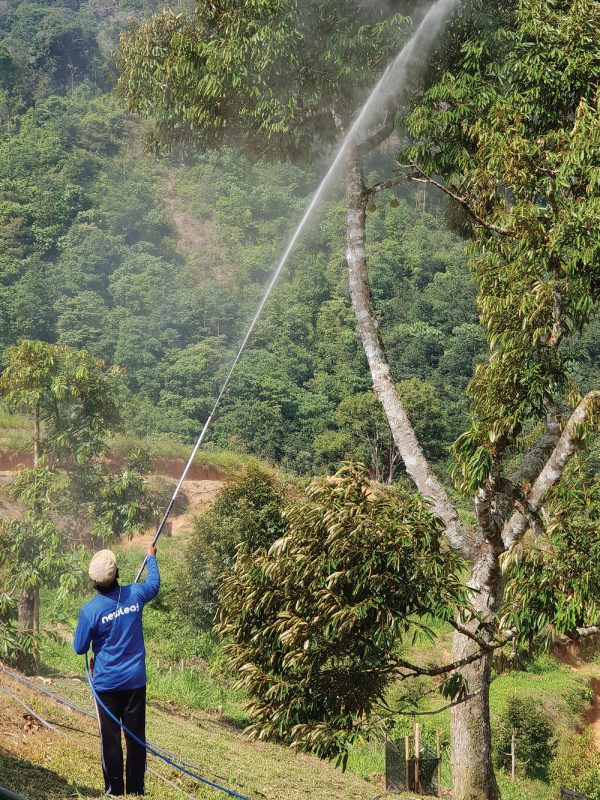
(453, 704)
(434, 672)
(567, 445)
(534, 461)
(462, 201)
(585, 633)
(493, 644)
(383, 185)
(382, 133)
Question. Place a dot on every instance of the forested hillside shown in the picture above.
(158, 264)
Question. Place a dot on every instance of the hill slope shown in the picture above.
(43, 765)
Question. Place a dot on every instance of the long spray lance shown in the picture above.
(420, 41)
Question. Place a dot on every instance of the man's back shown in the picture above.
(112, 623)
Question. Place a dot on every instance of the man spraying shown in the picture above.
(112, 623)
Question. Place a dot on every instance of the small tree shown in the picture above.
(314, 622)
(72, 398)
(533, 734)
(247, 512)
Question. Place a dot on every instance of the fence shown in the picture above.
(569, 794)
(419, 771)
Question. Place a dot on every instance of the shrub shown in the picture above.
(247, 510)
(534, 736)
(576, 765)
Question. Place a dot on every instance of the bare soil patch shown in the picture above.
(199, 495)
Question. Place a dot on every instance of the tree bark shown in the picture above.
(566, 446)
(471, 735)
(402, 431)
(28, 612)
(28, 606)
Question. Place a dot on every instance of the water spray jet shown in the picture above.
(386, 89)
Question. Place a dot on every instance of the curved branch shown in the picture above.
(423, 177)
(566, 447)
(382, 133)
(417, 466)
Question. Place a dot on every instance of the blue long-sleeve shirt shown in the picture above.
(112, 624)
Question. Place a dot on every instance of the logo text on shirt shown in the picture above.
(120, 611)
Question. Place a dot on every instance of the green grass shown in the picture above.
(162, 446)
(560, 691)
(45, 766)
(16, 431)
(523, 789)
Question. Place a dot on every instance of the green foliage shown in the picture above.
(553, 581)
(73, 401)
(533, 737)
(125, 503)
(520, 134)
(89, 257)
(312, 622)
(70, 394)
(266, 77)
(577, 765)
(247, 512)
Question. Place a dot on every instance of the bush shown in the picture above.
(247, 510)
(576, 765)
(534, 736)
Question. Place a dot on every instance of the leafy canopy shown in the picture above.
(517, 132)
(73, 395)
(313, 622)
(268, 76)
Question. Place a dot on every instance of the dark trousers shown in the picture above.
(130, 707)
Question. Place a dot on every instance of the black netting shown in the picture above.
(396, 767)
(569, 794)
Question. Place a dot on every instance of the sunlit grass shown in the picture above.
(16, 430)
(162, 446)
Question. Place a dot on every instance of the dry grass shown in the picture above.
(46, 766)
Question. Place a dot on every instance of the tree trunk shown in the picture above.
(28, 607)
(472, 765)
(28, 611)
(36, 439)
(471, 753)
(402, 431)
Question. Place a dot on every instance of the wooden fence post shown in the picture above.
(407, 762)
(438, 752)
(513, 760)
(417, 758)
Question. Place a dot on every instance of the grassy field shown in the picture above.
(16, 434)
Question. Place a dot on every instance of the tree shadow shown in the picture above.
(38, 783)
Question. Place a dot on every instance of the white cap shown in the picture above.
(103, 568)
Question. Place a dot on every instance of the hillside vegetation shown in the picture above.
(157, 266)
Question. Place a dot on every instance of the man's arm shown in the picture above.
(83, 634)
(149, 589)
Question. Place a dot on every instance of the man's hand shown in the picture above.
(151, 551)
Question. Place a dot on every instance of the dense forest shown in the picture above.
(157, 265)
